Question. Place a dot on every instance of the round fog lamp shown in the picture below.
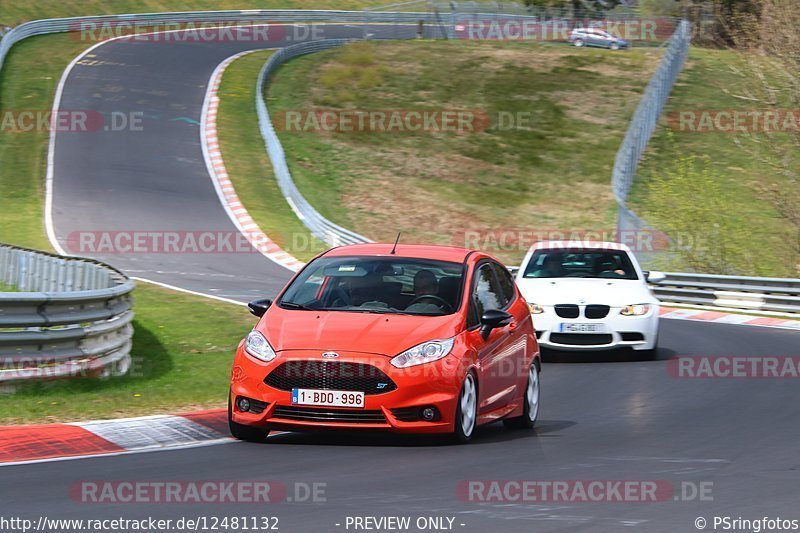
(428, 414)
(243, 404)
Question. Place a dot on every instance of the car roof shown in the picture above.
(421, 251)
(576, 244)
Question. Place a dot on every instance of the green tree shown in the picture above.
(660, 8)
(579, 8)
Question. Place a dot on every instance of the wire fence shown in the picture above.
(641, 129)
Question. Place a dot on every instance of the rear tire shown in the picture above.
(466, 411)
(243, 432)
(530, 406)
(578, 42)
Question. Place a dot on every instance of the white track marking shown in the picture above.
(219, 176)
(48, 215)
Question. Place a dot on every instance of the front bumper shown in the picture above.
(435, 384)
(636, 332)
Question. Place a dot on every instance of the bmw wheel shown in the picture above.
(614, 46)
(530, 407)
(578, 42)
(466, 410)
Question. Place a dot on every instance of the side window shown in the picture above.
(507, 289)
(487, 293)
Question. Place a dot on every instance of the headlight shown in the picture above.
(256, 345)
(536, 309)
(423, 353)
(635, 310)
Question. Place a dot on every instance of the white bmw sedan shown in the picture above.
(589, 296)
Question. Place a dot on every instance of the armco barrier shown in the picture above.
(61, 25)
(71, 317)
(770, 295)
(320, 227)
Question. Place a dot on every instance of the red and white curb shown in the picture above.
(42, 443)
(222, 183)
(721, 317)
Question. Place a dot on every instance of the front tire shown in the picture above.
(578, 43)
(530, 407)
(243, 432)
(466, 410)
(614, 46)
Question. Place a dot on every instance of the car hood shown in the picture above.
(383, 334)
(616, 293)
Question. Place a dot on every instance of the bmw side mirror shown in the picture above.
(259, 307)
(494, 318)
(654, 277)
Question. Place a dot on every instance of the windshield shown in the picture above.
(612, 264)
(377, 285)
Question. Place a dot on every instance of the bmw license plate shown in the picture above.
(569, 327)
(328, 398)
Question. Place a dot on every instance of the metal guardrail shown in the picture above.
(770, 295)
(320, 227)
(61, 25)
(71, 317)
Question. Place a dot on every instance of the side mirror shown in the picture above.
(654, 277)
(494, 318)
(259, 307)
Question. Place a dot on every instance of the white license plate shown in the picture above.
(328, 398)
(569, 327)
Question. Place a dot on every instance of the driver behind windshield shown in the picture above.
(552, 267)
(366, 290)
(425, 283)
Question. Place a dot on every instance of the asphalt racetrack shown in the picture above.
(612, 418)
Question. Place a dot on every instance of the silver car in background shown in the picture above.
(596, 37)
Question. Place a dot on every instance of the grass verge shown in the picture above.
(182, 346)
(248, 164)
(755, 236)
(548, 170)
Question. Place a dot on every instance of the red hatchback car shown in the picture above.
(414, 339)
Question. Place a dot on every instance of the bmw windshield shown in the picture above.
(591, 263)
(377, 285)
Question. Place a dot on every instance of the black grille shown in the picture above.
(632, 336)
(581, 339)
(406, 414)
(596, 311)
(257, 407)
(567, 310)
(306, 414)
(328, 375)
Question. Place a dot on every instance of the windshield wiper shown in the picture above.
(294, 305)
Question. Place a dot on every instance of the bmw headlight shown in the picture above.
(256, 345)
(423, 353)
(635, 310)
(536, 309)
